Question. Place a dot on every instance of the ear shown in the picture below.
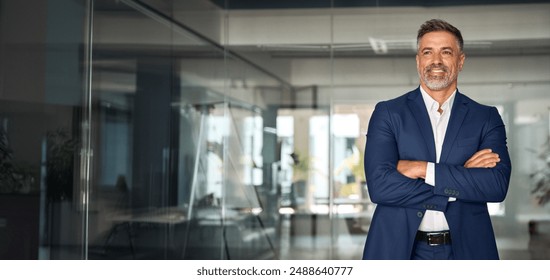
(417, 62)
(461, 61)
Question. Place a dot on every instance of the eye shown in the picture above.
(447, 52)
(426, 52)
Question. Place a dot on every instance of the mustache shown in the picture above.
(436, 66)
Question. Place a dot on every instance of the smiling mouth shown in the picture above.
(436, 69)
(436, 73)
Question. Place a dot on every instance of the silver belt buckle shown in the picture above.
(430, 235)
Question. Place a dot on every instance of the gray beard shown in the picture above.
(436, 84)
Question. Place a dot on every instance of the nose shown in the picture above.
(436, 59)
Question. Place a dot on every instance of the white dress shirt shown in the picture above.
(435, 220)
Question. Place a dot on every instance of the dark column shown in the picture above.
(152, 127)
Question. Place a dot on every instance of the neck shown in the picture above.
(440, 95)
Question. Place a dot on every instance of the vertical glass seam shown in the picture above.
(86, 150)
(225, 139)
(333, 232)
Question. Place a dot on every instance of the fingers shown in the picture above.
(412, 169)
(483, 159)
(478, 155)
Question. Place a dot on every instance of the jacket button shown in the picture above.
(419, 214)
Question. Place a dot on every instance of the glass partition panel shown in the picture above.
(41, 91)
(179, 163)
(296, 187)
(152, 111)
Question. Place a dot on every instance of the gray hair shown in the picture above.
(439, 25)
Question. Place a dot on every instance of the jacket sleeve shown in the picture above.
(479, 184)
(386, 185)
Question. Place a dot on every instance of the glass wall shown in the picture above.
(205, 129)
(181, 169)
(42, 77)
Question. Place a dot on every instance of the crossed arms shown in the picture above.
(416, 169)
(395, 181)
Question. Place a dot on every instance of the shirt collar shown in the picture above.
(432, 105)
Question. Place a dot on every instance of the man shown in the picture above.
(433, 159)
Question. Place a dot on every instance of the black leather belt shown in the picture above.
(434, 238)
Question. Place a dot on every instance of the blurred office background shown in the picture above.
(235, 129)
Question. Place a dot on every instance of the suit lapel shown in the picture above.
(460, 109)
(418, 110)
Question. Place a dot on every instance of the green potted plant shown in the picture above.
(61, 148)
(15, 177)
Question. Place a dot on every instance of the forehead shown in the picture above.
(438, 39)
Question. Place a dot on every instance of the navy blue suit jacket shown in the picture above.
(400, 129)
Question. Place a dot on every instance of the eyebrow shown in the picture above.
(430, 48)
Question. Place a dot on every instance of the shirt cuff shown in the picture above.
(430, 174)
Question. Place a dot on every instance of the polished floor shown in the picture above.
(298, 239)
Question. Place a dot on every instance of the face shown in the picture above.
(439, 60)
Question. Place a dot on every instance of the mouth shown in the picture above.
(438, 70)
